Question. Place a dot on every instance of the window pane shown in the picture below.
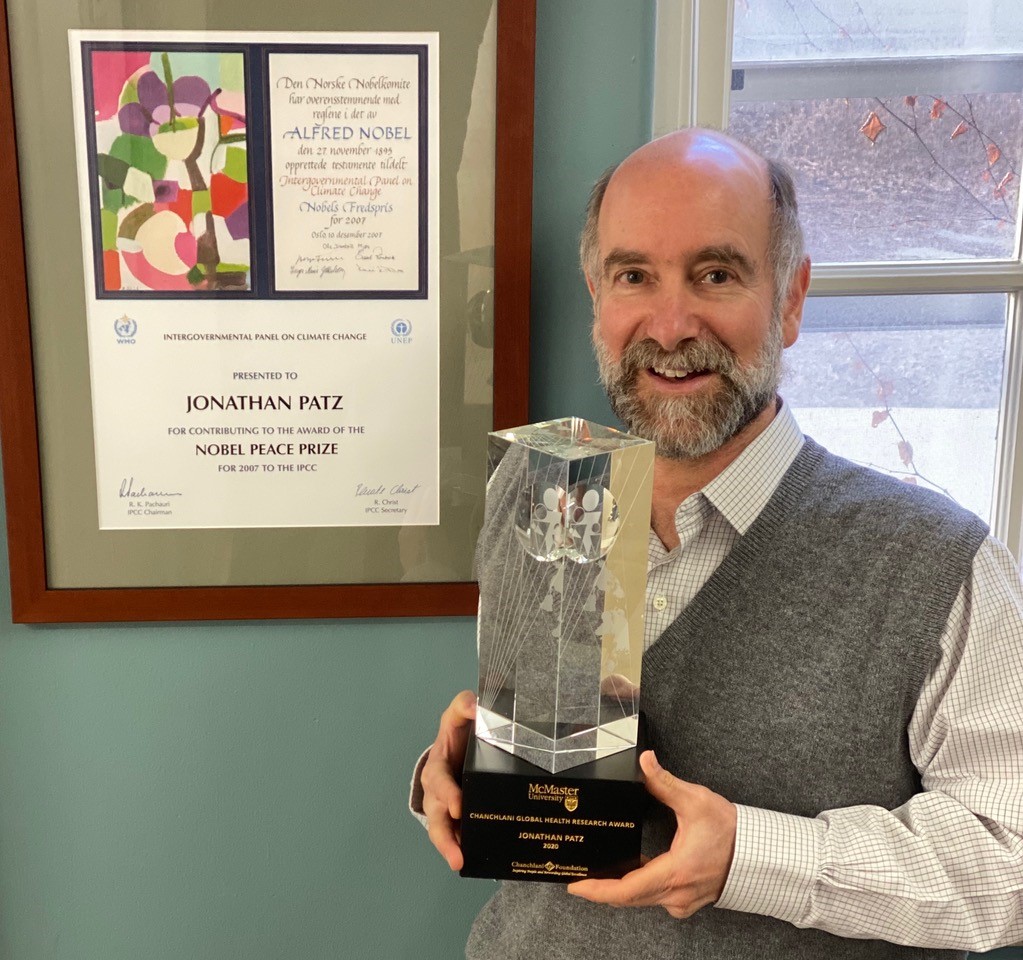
(908, 196)
(898, 158)
(908, 385)
(830, 29)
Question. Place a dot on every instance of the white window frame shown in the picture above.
(692, 86)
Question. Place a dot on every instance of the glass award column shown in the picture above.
(562, 568)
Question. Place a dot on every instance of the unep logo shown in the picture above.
(125, 328)
(401, 331)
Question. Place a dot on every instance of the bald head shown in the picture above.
(716, 157)
(698, 148)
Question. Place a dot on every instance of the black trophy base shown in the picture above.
(520, 822)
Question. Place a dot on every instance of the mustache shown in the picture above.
(692, 354)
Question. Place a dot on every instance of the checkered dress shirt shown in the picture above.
(946, 868)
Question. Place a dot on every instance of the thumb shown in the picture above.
(661, 784)
(465, 704)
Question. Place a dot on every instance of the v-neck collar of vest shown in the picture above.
(752, 547)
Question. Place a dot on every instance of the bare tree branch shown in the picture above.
(948, 173)
(890, 417)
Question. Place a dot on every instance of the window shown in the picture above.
(903, 126)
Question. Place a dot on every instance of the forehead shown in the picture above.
(671, 204)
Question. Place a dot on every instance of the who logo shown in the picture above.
(125, 328)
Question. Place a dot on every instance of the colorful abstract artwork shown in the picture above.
(171, 168)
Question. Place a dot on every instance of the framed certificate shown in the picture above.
(266, 295)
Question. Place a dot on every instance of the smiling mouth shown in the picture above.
(678, 374)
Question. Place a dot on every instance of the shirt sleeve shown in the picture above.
(945, 869)
(415, 791)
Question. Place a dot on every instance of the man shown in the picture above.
(834, 672)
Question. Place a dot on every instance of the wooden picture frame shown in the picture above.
(34, 595)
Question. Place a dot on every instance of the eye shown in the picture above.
(717, 277)
(631, 277)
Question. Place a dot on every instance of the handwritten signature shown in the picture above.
(319, 258)
(318, 266)
(366, 252)
(397, 489)
(127, 489)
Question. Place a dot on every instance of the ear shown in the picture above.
(792, 309)
(591, 286)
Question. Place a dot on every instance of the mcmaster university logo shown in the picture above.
(553, 793)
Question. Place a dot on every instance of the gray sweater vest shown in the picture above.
(787, 684)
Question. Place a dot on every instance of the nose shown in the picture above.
(675, 315)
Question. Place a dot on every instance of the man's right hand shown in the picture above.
(442, 796)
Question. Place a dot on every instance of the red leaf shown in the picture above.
(906, 452)
(884, 389)
(937, 109)
(911, 480)
(993, 154)
(960, 129)
(909, 101)
(1002, 184)
(872, 127)
(986, 176)
(878, 417)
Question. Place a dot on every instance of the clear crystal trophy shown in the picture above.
(551, 785)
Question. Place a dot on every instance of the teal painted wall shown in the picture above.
(237, 791)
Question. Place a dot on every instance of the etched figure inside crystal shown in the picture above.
(563, 552)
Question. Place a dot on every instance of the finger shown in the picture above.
(619, 686)
(455, 723)
(443, 835)
(441, 792)
(661, 784)
(439, 798)
(461, 710)
(442, 795)
(441, 770)
(644, 887)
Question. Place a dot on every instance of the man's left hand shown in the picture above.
(692, 873)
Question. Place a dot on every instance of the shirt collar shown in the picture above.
(743, 488)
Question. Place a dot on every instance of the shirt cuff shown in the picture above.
(775, 865)
(415, 793)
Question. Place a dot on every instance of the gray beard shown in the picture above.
(685, 428)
